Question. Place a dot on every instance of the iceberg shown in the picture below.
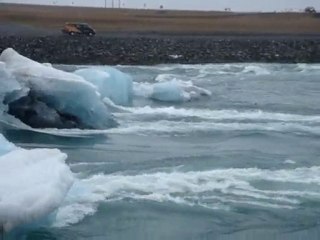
(33, 184)
(111, 83)
(170, 91)
(10, 89)
(35, 95)
(42, 96)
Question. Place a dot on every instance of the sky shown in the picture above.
(235, 5)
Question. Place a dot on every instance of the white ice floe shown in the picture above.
(170, 91)
(33, 184)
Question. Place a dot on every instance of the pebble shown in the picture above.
(158, 50)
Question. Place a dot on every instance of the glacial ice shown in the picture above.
(10, 89)
(5, 146)
(33, 184)
(111, 83)
(170, 91)
(35, 95)
(64, 92)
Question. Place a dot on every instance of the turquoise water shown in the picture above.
(241, 164)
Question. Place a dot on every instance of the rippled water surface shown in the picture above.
(241, 164)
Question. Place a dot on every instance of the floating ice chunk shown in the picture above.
(170, 91)
(111, 83)
(67, 93)
(10, 89)
(33, 183)
(256, 70)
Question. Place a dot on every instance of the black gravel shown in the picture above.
(148, 50)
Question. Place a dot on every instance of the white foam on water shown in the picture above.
(89, 164)
(73, 213)
(75, 132)
(222, 114)
(307, 67)
(148, 120)
(166, 77)
(289, 161)
(213, 189)
(137, 120)
(204, 70)
(183, 127)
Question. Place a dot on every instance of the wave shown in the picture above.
(213, 189)
(64, 133)
(223, 114)
(202, 70)
(167, 120)
(308, 67)
(171, 120)
(182, 127)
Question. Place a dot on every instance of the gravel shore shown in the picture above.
(139, 49)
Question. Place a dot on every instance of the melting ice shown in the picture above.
(33, 183)
(40, 96)
(246, 157)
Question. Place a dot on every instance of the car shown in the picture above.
(78, 29)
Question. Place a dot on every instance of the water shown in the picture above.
(241, 164)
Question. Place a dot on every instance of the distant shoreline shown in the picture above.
(146, 37)
(50, 19)
(149, 50)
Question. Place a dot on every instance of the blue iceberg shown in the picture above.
(176, 91)
(169, 92)
(111, 83)
(42, 96)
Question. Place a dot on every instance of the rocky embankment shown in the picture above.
(165, 49)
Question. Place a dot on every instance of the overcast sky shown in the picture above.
(235, 5)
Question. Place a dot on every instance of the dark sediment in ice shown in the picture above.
(37, 114)
(140, 49)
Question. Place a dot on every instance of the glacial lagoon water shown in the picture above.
(243, 163)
